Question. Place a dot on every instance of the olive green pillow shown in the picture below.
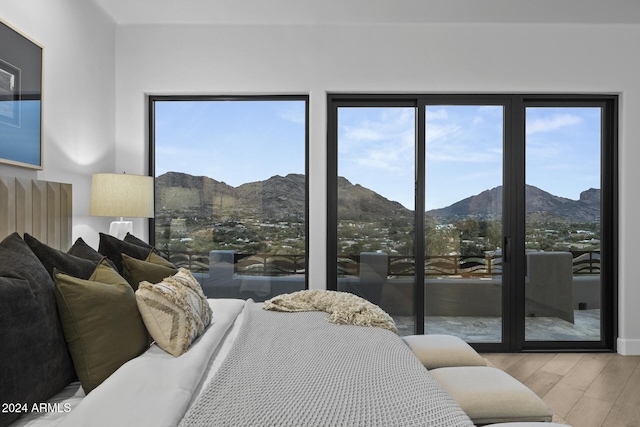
(154, 269)
(101, 323)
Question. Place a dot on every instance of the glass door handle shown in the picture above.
(506, 249)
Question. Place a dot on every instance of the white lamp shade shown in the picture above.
(121, 195)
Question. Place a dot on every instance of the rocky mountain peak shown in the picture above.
(281, 197)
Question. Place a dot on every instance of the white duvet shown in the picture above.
(154, 389)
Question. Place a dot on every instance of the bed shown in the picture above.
(158, 389)
(247, 367)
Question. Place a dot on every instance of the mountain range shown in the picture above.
(276, 197)
(538, 203)
(284, 197)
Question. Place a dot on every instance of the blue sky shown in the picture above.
(563, 149)
(239, 142)
(230, 141)
(464, 151)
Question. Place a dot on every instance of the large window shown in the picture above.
(487, 217)
(231, 191)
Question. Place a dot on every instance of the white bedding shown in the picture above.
(153, 389)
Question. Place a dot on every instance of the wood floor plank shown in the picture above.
(542, 382)
(558, 419)
(529, 365)
(623, 417)
(584, 373)
(589, 412)
(562, 397)
(626, 409)
(503, 360)
(562, 363)
(613, 378)
(584, 390)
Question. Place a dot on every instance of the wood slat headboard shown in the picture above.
(40, 208)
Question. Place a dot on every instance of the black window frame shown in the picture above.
(513, 211)
(152, 99)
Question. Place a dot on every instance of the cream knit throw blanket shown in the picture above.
(343, 308)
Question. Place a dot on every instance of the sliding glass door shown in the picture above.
(491, 218)
(375, 207)
(568, 230)
(463, 221)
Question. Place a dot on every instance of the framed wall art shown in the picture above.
(20, 99)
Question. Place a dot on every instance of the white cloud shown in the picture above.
(440, 114)
(380, 159)
(478, 120)
(543, 152)
(453, 143)
(293, 114)
(552, 123)
(358, 134)
(384, 142)
(438, 133)
(392, 156)
(462, 153)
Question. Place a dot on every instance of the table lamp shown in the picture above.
(121, 195)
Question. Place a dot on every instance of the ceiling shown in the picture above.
(304, 12)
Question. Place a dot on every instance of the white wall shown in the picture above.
(96, 77)
(447, 58)
(78, 127)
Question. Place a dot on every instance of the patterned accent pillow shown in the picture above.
(175, 311)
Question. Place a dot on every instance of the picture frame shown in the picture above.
(20, 99)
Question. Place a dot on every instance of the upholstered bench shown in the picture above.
(440, 351)
(488, 395)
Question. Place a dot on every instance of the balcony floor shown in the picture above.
(489, 329)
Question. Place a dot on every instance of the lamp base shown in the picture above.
(120, 229)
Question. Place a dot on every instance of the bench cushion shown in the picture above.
(489, 395)
(440, 351)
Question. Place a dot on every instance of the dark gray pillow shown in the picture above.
(130, 238)
(34, 361)
(52, 258)
(82, 250)
(113, 248)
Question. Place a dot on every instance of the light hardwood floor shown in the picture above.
(583, 389)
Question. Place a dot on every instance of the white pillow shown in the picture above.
(175, 311)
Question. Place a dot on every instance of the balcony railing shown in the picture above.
(193, 261)
(441, 265)
(269, 264)
(584, 263)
